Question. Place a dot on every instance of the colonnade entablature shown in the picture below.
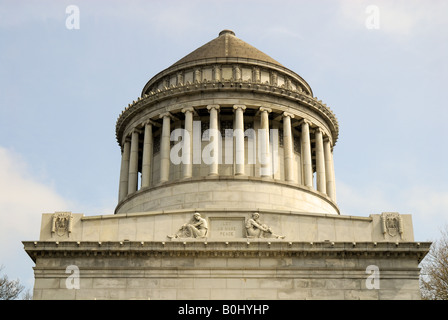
(293, 101)
(227, 74)
(200, 113)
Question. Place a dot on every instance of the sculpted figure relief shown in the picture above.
(197, 227)
(256, 229)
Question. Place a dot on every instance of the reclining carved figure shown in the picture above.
(256, 229)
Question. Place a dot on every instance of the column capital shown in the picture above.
(288, 114)
(144, 123)
(167, 114)
(318, 130)
(264, 109)
(213, 106)
(327, 139)
(149, 122)
(188, 109)
(239, 106)
(305, 121)
(128, 137)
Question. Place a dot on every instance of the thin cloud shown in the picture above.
(397, 18)
(23, 199)
(357, 201)
(427, 204)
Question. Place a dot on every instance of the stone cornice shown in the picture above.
(230, 249)
(225, 86)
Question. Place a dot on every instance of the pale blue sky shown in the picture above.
(62, 90)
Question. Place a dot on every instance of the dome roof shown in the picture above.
(227, 45)
(223, 52)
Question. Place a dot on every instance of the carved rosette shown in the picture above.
(61, 223)
(392, 224)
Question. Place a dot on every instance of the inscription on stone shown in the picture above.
(226, 227)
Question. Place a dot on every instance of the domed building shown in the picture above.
(226, 191)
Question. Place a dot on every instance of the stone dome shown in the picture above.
(227, 48)
(226, 45)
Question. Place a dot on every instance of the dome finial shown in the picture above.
(226, 31)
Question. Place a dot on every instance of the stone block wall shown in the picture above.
(234, 271)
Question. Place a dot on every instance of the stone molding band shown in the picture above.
(217, 64)
(154, 97)
(241, 249)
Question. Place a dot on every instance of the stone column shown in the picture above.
(133, 163)
(165, 147)
(306, 154)
(147, 155)
(256, 75)
(320, 162)
(273, 150)
(214, 166)
(239, 139)
(217, 72)
(263, 143)
(287, 146)
(329, 170)
(124, 171)
(188, 166)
